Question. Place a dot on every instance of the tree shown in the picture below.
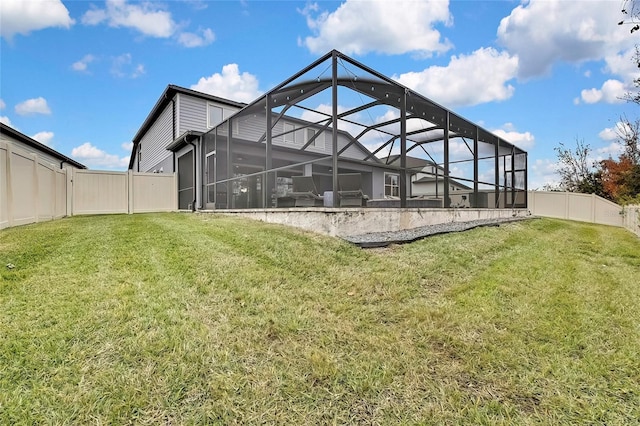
(576, 170)
(629, 137)
(615, 177)
(621, 177)
(631, 16)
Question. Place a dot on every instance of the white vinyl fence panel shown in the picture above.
(34, 190)
(573, 206)
(632, 219)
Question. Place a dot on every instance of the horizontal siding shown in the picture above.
(155, 141)
(253, 127)
(193, 113)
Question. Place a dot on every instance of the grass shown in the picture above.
(202, 319)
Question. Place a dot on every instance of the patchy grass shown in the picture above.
(181, 318)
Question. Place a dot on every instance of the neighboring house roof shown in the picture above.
(412, 162)
(432, 179)
(164, 100)
(21, 137)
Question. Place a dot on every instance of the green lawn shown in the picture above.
(196, 319)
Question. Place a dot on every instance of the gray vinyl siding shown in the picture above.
(165, 166)
(253, 127)
(154, 142)
(193, 113)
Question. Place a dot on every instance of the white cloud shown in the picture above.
(5, 120)
(614, 149)
(122, 66)
(524, 141)
(613, 133)
(625, 68)
(611, 92)
(127, 146)
(83, 63)
(230, 84)
(33, 106)
(390, 27)
(95, 157)
(22, 17)
(544, 173)
(205, 38)
(608, 134)
(198, 4)
(138, 71)
(623, 64)
(145, 17)
(43, 137)
(542, 32)
(2, 105)
(467, 80)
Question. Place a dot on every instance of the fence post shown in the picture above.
(130, 191)
(176, 201)
(71, 177)
(9, 185)
(36, 188)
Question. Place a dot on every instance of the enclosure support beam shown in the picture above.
(497, 174)
(269, 183)
(229, 163)
(403, 151)
(526, 181)
(445, 193)
(334, 117)
(513, 176)
(475, 170)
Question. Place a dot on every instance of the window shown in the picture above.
(318, 142)
(214, 115)
(310, 134)
(391, 185)
(139, 156)
(289, 133)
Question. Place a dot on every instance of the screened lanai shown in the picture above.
(339, 121)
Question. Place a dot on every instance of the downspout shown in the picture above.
(193, 203)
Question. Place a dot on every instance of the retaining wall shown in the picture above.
(355, 221)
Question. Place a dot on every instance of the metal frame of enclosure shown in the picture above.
(353, 106)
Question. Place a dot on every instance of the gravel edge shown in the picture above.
(383, 239)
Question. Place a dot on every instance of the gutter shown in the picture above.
(195, 162)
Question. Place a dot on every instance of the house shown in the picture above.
(25, 143)
(230, 155)
(426, 177)
(174, 138)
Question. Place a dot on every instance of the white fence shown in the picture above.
(631, 219)
(32, 190)
(584, 208)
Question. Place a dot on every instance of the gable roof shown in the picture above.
(167, 96)
(413, 163)
(21, 137)
(431, 179)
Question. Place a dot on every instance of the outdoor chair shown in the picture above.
(350, 190)
(305, 193)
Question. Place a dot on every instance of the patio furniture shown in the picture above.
(350, 190)
(305, 193)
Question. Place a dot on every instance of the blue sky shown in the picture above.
(81, 76)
